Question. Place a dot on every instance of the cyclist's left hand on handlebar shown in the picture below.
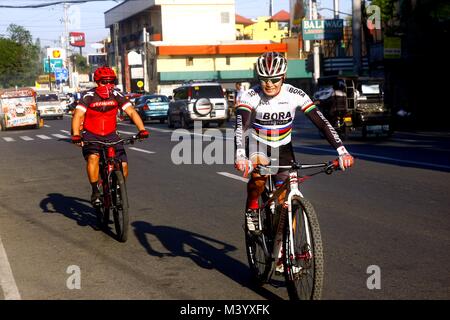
(76, 139)
(143, 134)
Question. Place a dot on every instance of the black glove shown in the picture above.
(76, 139)
(143, 134)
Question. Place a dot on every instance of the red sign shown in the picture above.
(77, 39)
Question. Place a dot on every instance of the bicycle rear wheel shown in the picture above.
(258, 247)
(119, 205)
(303, 268)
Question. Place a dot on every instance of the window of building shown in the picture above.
(225, 17)
(227, 61)
(190, 61)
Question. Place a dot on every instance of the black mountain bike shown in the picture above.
(113, 188)
(290, 240)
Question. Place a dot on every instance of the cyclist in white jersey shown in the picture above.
(264, 121)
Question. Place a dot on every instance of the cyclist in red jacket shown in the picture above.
(97, 113)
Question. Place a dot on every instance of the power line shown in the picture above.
(47, 4)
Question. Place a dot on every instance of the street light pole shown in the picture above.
(356, 39)
(316, 46)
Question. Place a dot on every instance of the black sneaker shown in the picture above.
(96, 198)
(252, 219)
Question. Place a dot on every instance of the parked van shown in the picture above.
(18, 109)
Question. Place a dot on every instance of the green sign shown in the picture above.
(392, 47)
(330, 29)
(51, 64)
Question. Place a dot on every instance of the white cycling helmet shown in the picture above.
(271, 64)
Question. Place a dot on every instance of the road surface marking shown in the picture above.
(47, 126)
(147, 127)
(44, 137)
(57, 135)
(26, 138)
(126, 132)
(8, 139)
(141, 150)
(7, 282)
(65, 131)
(425, 164)
(233, 176)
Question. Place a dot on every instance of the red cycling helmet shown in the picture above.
(104, 73)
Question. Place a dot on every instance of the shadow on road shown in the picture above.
(73, 208)
(206, 252)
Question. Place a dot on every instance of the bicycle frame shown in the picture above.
(291, 185)
(108, 163)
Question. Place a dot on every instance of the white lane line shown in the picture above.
(425, 164)
(141, 150)
(42, 136)
(65, 131)
(126, 132)
(8, 139)
(233, 176)
(57, 135)
(26, 138)
(147, 127)
(7, 282)
(47, 126)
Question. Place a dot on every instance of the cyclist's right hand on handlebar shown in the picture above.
(143, 134)
(76, 139)
(244, 165)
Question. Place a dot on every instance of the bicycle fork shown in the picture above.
(277, 251)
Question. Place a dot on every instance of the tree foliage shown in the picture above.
(19, 58)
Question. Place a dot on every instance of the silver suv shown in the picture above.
(198, 101)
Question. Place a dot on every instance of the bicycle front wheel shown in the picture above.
(303, 257)
(119, 205)
(258, 247)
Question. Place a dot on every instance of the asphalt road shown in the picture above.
(389, 213)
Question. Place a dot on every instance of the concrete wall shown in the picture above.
(194, 23)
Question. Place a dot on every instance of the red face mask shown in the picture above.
(104, 91)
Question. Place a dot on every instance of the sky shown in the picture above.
(46, 23)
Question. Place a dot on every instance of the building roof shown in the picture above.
(243, 20)
(280, 16)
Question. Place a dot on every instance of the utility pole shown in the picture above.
(356, 38)
(316, 46)
(116, 52)
(146, 84)
(66, 42)
(271, 8)
(336, 16)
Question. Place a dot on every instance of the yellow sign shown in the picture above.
(56, 54)
(140, 84)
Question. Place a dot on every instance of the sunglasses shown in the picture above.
(108, 81)
(273, 80)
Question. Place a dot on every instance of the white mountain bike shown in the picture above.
(289, 234)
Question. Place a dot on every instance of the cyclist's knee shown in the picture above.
(93, 158)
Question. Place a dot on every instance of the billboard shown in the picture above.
(56, 53)
(77, 39)
(329, 29)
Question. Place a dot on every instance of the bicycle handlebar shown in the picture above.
(329, 167)
(129, 140)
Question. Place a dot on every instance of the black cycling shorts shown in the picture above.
(96, 148)
(280, 156)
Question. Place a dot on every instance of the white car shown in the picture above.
(203, 101)
(50, 106)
